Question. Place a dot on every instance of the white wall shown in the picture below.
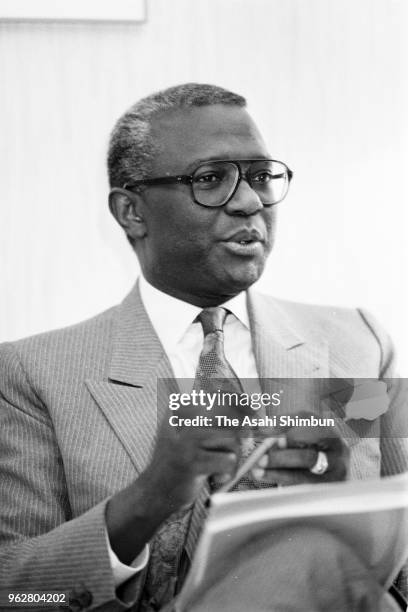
(327, 82)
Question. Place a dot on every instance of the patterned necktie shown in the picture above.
(169, 561)
(214, 372)
(212, 367)
(213, 363)
(174, 543)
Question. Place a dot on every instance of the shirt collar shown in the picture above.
(172, 317)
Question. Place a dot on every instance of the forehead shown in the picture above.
(189, 135)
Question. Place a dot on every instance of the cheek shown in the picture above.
(182, 237)
(184, 225)
(270, 223)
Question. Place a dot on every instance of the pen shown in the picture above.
(261, 449)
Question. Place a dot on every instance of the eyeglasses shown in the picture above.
(215, 182)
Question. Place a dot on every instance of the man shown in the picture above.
(98, 497)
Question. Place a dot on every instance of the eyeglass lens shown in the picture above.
(214, 182)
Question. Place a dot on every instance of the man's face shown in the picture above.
(190, 251)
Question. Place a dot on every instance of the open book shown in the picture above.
(371, 516)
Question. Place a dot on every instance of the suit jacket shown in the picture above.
(78, 421)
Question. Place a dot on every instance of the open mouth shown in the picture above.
(249, 248)
(246, 235)
(248, 241)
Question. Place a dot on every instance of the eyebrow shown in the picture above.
(198, 162)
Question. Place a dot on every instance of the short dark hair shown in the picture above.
(131, 146)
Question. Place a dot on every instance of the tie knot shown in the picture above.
(212, 319)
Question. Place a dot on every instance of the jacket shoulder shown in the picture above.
(86, 344)
(314, 316)
(349, 331)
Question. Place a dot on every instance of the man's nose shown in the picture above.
(245, 200)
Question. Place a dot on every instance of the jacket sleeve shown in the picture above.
(42, 547)
(394, 424)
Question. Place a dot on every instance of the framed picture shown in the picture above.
(73, 10)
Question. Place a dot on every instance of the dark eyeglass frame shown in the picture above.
(187, 179)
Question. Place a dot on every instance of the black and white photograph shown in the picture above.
(203, 328)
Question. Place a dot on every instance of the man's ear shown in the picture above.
(126, 207)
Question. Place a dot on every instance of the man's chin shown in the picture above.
(241, 279)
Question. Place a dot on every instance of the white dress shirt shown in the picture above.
(182, 340)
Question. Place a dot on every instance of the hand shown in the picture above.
(292, 465)
(182, 459)
(185, 456)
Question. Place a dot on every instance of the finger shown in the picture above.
(223, 443)
(284, 477)
(337, 470)
(305, 459)
(319, 437)
(220, 479)
(258, 473)
(213, 462)
(336, 449)
(290, 459)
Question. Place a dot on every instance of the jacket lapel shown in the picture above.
(129, 396)
(282, 352)
(279, 347)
